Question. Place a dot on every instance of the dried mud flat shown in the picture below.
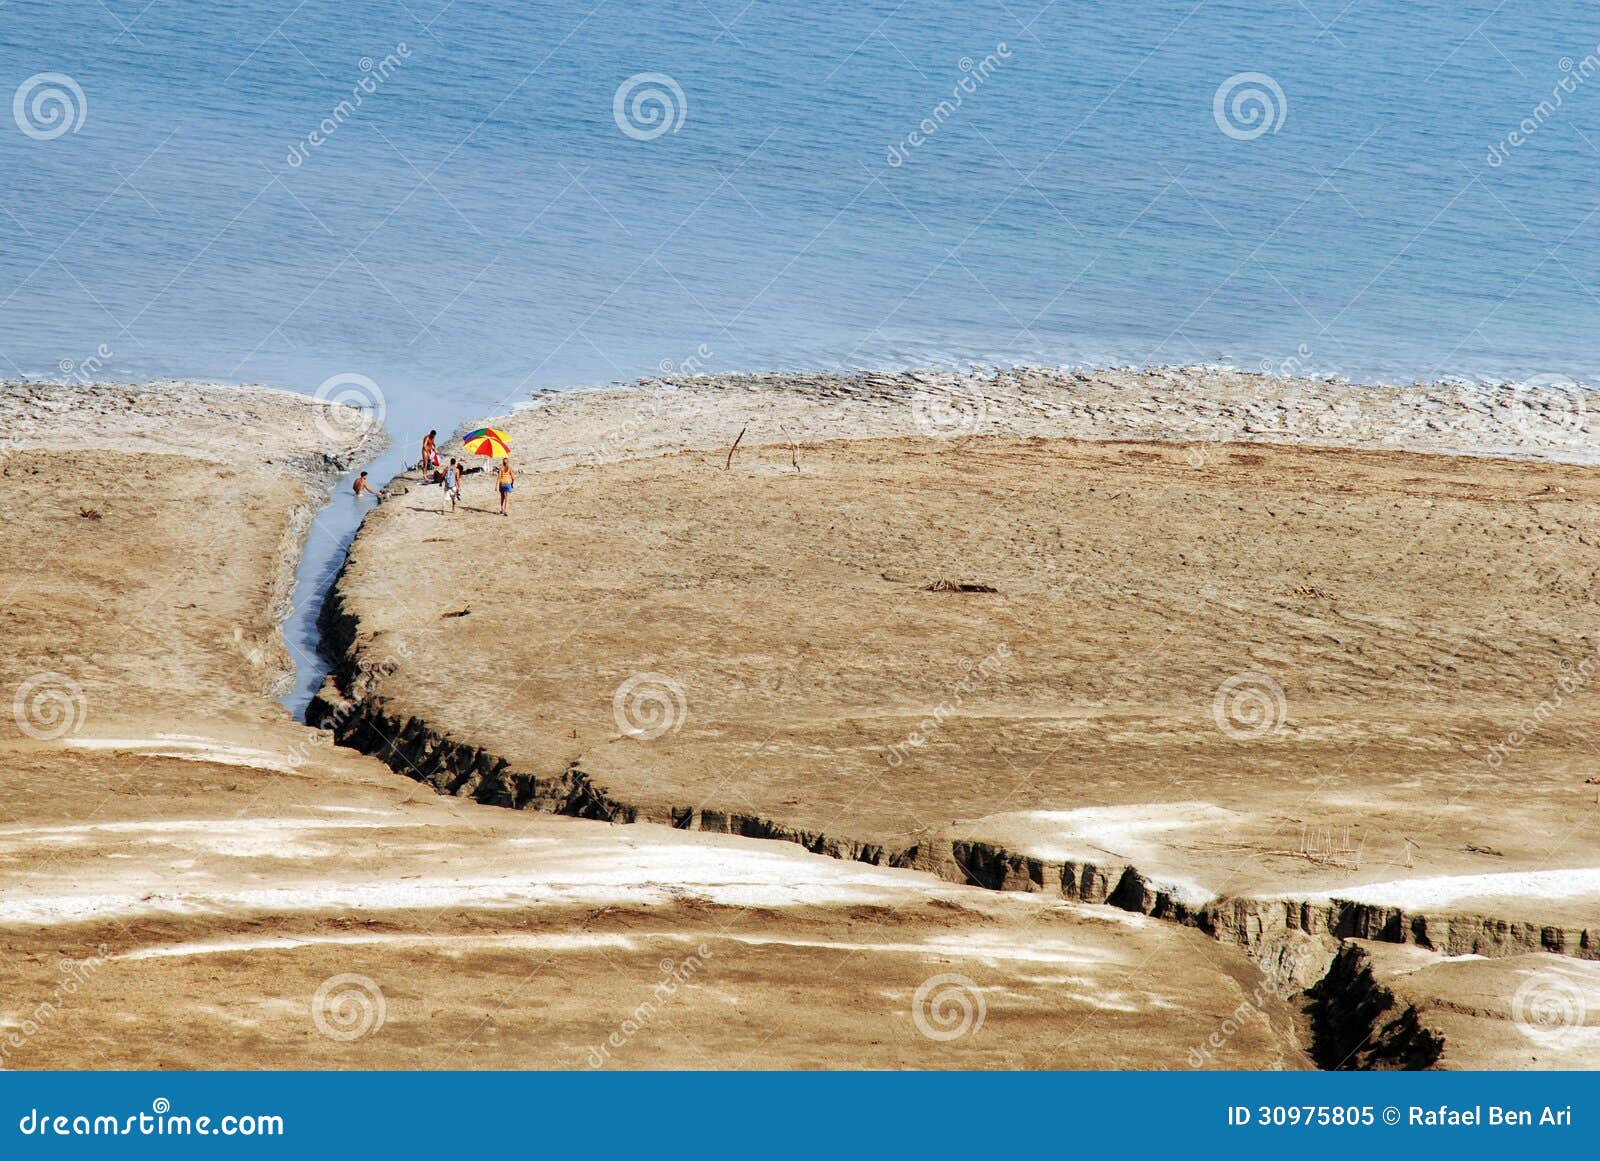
(1205, 647)
(189, 879)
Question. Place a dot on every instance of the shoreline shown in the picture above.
(165, 416)
(1552, 421)
(650, 523)
(226, 867)
(1191, 404)
(1105, 403)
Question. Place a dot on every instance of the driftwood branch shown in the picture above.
(794, 449)
(728, 463)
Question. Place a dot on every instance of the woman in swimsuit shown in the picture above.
(507, 479)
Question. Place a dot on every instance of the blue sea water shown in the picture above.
(1401, 190)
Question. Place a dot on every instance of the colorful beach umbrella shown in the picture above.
(483, 431)
(487, 442)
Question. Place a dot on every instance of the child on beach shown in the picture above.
(507, 479)
(452, 483)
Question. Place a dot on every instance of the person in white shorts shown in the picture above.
(452, 483)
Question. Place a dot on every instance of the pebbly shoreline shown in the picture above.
(1554, 421)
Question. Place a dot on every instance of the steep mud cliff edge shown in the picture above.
(1203, 646)
(189, 879)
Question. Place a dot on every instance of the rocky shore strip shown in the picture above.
(311, 439)
(1551, 419)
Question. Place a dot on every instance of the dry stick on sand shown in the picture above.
(794, 449)
(728, 463)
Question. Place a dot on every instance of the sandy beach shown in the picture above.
(190, 879)
(1197, 645)
(1090, 749)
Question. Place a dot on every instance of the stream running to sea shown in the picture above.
(465, 202)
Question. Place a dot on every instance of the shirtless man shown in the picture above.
(361, 488)
(430, 450)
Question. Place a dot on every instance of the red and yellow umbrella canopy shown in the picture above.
(487, 441)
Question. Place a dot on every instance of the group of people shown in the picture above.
(448, 476)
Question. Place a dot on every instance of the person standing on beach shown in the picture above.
(452, 483)
(430, 450)
(507, 479)
(361, 488)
